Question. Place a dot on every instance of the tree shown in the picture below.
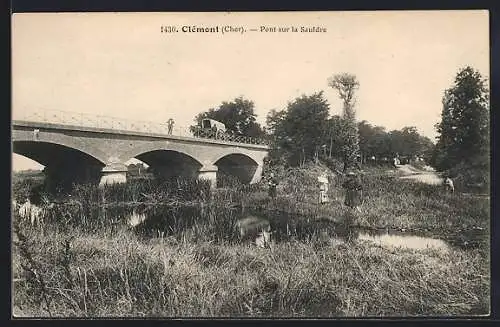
(426, 148)
(279, 153)
(346, 84)
(238, 116)
(335, 140)
(404, 142)
(409, 143)
(375, 141)
(366, 139)
(464, 128)
(299, 130)
(381, 143)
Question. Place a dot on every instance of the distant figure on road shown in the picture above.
(273, 183)
(170, 124)
(354, 190)
(448, 185)
(395, 162)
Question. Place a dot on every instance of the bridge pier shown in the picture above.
(209, 173)
(257, 176)
(113, 174)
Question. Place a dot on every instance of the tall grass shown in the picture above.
(144, 190)
(126, 276)
(186, 259)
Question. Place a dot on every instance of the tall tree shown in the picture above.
(238, 116)
(299, 130)
(346, 84)
(464, 128)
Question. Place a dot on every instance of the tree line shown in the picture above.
(305, 131)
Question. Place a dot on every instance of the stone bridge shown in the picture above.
(79, 153)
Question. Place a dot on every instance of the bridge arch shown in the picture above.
(169, 160)
(151, 147)
(66, 142)
(64, 165)
(221, 153)
(239, 165)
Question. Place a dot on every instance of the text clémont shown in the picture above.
(240, 29)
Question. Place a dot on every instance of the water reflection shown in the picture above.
(286, 226)
(395, 239)
(149, 220)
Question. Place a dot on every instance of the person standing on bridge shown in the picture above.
(170, 124)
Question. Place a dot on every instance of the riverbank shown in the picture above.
(195, 266)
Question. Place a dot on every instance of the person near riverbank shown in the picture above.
(170, 125)
(273, 183)
(323, 188)
(354, 189)
(448, 185)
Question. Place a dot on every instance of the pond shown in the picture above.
(395, 239)
(286, 226)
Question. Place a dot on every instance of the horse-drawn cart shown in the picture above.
(211, 128)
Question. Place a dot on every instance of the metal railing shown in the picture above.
(108, 122)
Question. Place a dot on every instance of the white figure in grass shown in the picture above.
(323, 188)
(32, 213)
(448, 185)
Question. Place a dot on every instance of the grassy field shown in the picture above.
(87, 263)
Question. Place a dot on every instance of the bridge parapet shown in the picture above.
(115, 123)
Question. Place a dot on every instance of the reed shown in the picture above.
(186, 259)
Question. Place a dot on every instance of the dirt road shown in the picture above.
(429, 176)
(425, 176)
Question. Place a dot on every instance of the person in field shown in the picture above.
(448, 185)
(273, 184)
(354, 190)
(323, 189)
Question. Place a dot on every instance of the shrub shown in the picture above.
(471, 178)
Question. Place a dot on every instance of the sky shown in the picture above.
(121, 65)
